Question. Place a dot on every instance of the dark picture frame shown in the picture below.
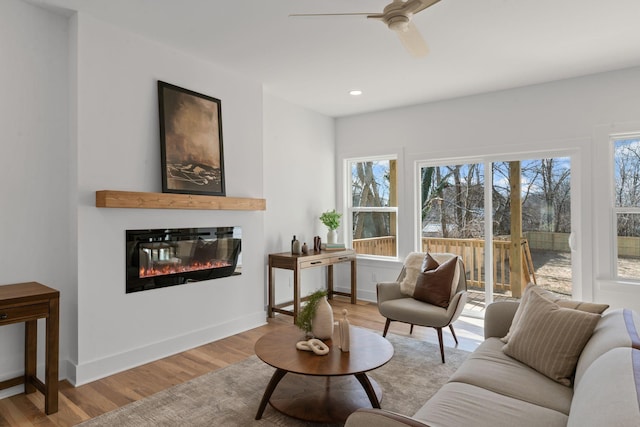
(191, 142)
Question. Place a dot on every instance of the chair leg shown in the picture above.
(453, 333)
(411, 330)
(439, 330)
(386, 327)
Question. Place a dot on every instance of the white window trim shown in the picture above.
(615, 210)
(349, 209)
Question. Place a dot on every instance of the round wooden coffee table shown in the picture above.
(323, 389)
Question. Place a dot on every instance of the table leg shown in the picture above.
(275, 379)
(330, 281)
(296, 293)
(368, 388)
(51, 356)
(270, 296)
(30, 354)
(353, 282)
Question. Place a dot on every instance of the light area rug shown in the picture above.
(230, 396)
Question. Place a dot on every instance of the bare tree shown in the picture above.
(369, 188)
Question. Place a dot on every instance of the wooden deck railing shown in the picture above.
(470, 250)
(384, 246)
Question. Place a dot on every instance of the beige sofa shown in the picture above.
(493, 389)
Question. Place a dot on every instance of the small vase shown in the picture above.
(322, 323)
(332, 236)
(344, 331)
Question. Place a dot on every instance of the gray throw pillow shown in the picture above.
(549, 338)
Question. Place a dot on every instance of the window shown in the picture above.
(626, 205)
(466, 208)
(373, 205)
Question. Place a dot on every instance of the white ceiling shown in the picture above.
(475, 45)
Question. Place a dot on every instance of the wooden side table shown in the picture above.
(28, 302)
(297, 263)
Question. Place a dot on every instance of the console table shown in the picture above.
(297, 263)
(28, 302)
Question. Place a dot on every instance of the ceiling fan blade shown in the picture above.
(412, 41)
(328, 14)
(415, 6)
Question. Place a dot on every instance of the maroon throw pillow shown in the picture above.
(434, 286)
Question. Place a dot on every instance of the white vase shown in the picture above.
(322, 322)
(332, 236)
(344, 332)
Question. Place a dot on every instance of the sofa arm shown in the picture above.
(388, 291)
(498, 318)
(365, 417)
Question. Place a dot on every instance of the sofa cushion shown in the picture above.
(616, 328)
(458, 404)
(609, 392)
(410, 310)
(549, 338)
(589, 307)
(433, 286)
(488, 367)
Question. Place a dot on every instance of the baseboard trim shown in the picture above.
(85, 372)
(363, 295)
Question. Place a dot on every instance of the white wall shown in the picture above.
(80, 114)
(299, 183)
(34, 174)
(119, 149)
(555, 116)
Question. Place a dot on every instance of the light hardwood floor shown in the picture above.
(79, 404)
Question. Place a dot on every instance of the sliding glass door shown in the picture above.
(463, 203)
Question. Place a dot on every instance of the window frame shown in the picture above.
(350, 209)
(617, 210)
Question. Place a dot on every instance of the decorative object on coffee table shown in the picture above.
(343, 330)
(305, 318)
(331, 220)
(322, 322)
(314, 345)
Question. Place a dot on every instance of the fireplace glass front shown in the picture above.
(158, 258)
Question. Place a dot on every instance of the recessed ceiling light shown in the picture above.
(355, 92)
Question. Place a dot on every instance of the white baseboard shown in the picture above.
(85, 372)
(363, 295)
(8, 392)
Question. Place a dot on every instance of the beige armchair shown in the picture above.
(397, 304)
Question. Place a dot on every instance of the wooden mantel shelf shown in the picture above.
(133, 199)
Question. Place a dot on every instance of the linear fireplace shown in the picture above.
(158, 258)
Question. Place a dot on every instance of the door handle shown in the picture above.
(572, 241)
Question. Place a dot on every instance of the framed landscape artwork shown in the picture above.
(191, 142)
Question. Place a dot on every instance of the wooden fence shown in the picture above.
(383, 246)
(470, 250)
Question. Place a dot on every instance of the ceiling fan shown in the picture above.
(397, 16)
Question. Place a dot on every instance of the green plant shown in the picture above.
(305, 316)
(331, 219)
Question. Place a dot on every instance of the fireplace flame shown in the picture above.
(174, 268)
